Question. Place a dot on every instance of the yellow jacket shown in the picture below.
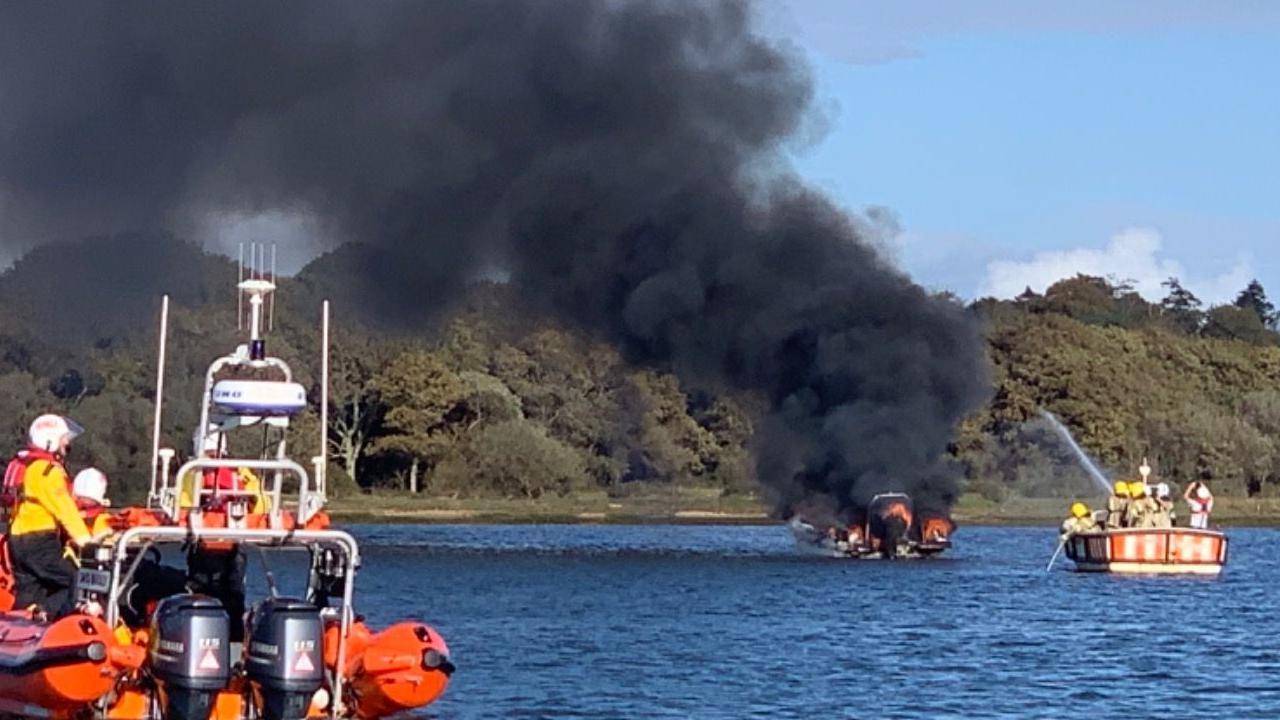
(47, 504)
(101, 521)
(250, 482)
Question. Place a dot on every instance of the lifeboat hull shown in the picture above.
(404, 667)
(55, 669)
(1183, 551)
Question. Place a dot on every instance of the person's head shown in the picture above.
(1162, 491)
(53, 433)
(1121, 489)
(91, 484)
(206, 444)
(1079, 510)
(1137, 489)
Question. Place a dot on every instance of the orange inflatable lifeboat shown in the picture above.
(56, 669)
(401, 668)
(142, 647)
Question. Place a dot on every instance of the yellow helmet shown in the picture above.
(1137, 489)
(1079, 509)
(1122, 488)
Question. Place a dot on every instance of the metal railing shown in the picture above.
(274, 473)
(142, 536)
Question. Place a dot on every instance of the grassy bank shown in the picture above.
(666, 505)
(707, 506)
(976, 510)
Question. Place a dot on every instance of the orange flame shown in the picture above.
(936, 529)
(898, 510)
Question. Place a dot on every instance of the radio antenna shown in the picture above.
(155, 430)
(239, 292)
(271, 312)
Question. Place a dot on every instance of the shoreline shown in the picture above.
(702, 507)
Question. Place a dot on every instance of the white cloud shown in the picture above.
(1132, 255)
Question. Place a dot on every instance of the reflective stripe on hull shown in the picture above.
(1138, 568)
(1150, 550)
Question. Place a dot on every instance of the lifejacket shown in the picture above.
(223, 479)
(94, 514)
(239, 481)
(89, 509)
(11, 492)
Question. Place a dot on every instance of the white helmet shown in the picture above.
(205, 443)
(1162, 490)
(91, 484)
(50, 432)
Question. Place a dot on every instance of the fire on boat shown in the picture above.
(890, 527)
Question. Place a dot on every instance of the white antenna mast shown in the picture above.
(271, 316)
(155, 433)
(239, 293)
(323, 469)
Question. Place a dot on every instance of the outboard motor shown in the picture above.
(284, 662)
(190, 654)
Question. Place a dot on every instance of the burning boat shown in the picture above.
(888, 528)
(138, 649)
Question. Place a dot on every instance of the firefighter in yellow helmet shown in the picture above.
(45, 512)
(1081, 521)
(1117, 504)
(1142, 508)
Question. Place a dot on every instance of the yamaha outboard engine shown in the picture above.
(190, 654)
(284, 662)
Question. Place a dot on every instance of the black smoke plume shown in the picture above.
(624, 162)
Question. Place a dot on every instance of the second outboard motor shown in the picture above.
(190, 654)
(284, 662)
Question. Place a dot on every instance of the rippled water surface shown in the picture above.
(728, 622)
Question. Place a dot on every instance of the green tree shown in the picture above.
(356, 408)
(1254, 298)
(1233, 322)
(1182, 307)
(423, 397)
(514, 458)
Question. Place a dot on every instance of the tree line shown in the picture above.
(489, 396)
(1192, 388)
(484, 397)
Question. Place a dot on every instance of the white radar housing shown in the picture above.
(269, 398)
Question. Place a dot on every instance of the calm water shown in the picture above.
(727, 622)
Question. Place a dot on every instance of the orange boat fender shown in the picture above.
(61, 665)
(403, 667)
(358, 639)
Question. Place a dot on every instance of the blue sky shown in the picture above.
(1020, 142)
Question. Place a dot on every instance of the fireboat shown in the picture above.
(1159, 551)
(120, 657)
